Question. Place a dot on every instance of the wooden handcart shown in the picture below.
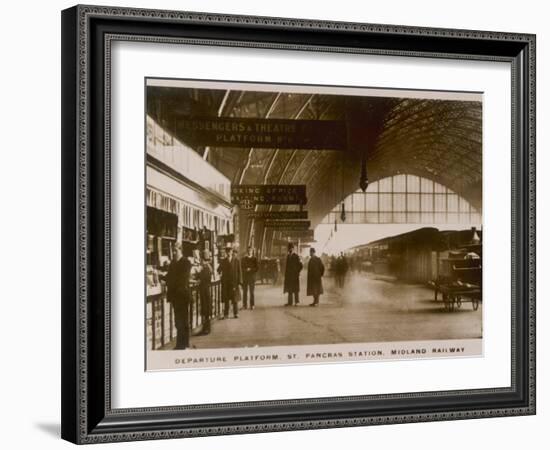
(461, 284)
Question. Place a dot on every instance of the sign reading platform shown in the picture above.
(289, 225)
(278, 215)
(264, 133)
(268, 194)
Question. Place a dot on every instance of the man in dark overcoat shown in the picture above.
(292, 276)
(315, 272)
(179, 295)
(231, 278)
(249, 265)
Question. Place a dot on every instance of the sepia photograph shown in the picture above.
(298, 224)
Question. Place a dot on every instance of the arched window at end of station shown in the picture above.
(392, 206)
(404, 199)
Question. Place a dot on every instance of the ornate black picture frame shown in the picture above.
(87, 35)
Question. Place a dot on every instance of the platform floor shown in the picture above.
(369, 308)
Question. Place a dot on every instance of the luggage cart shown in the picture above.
(461, 285)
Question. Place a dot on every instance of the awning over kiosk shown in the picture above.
(161, 223)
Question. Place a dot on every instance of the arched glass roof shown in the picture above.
(433, 139)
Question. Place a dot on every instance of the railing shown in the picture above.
(161, 328)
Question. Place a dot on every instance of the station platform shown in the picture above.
(369, 308)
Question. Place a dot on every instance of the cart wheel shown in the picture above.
(475, 304)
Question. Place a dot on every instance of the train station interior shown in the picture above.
(385, 186)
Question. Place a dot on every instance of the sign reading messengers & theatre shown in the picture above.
(264, 133)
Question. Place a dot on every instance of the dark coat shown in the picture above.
(179, 295)
(249, 266)
(292, 273)
(177, 281)
(315, 272)
(231, 275)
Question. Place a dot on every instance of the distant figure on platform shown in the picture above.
(205, 281)
(249, 265)
(277, 271)
(315, 272)
(179, 295)
(293, 268)
(231, 278)
(341, 269)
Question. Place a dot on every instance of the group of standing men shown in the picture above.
(178, 281)
(234, 274)
(315, 272)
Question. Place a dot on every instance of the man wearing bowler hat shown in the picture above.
(292, 276)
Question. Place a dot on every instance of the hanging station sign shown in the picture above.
(264, 133)
(278, 215)
(298, 234)
(288, 225)
(284, 242)
(280, 242)
(249, 195)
